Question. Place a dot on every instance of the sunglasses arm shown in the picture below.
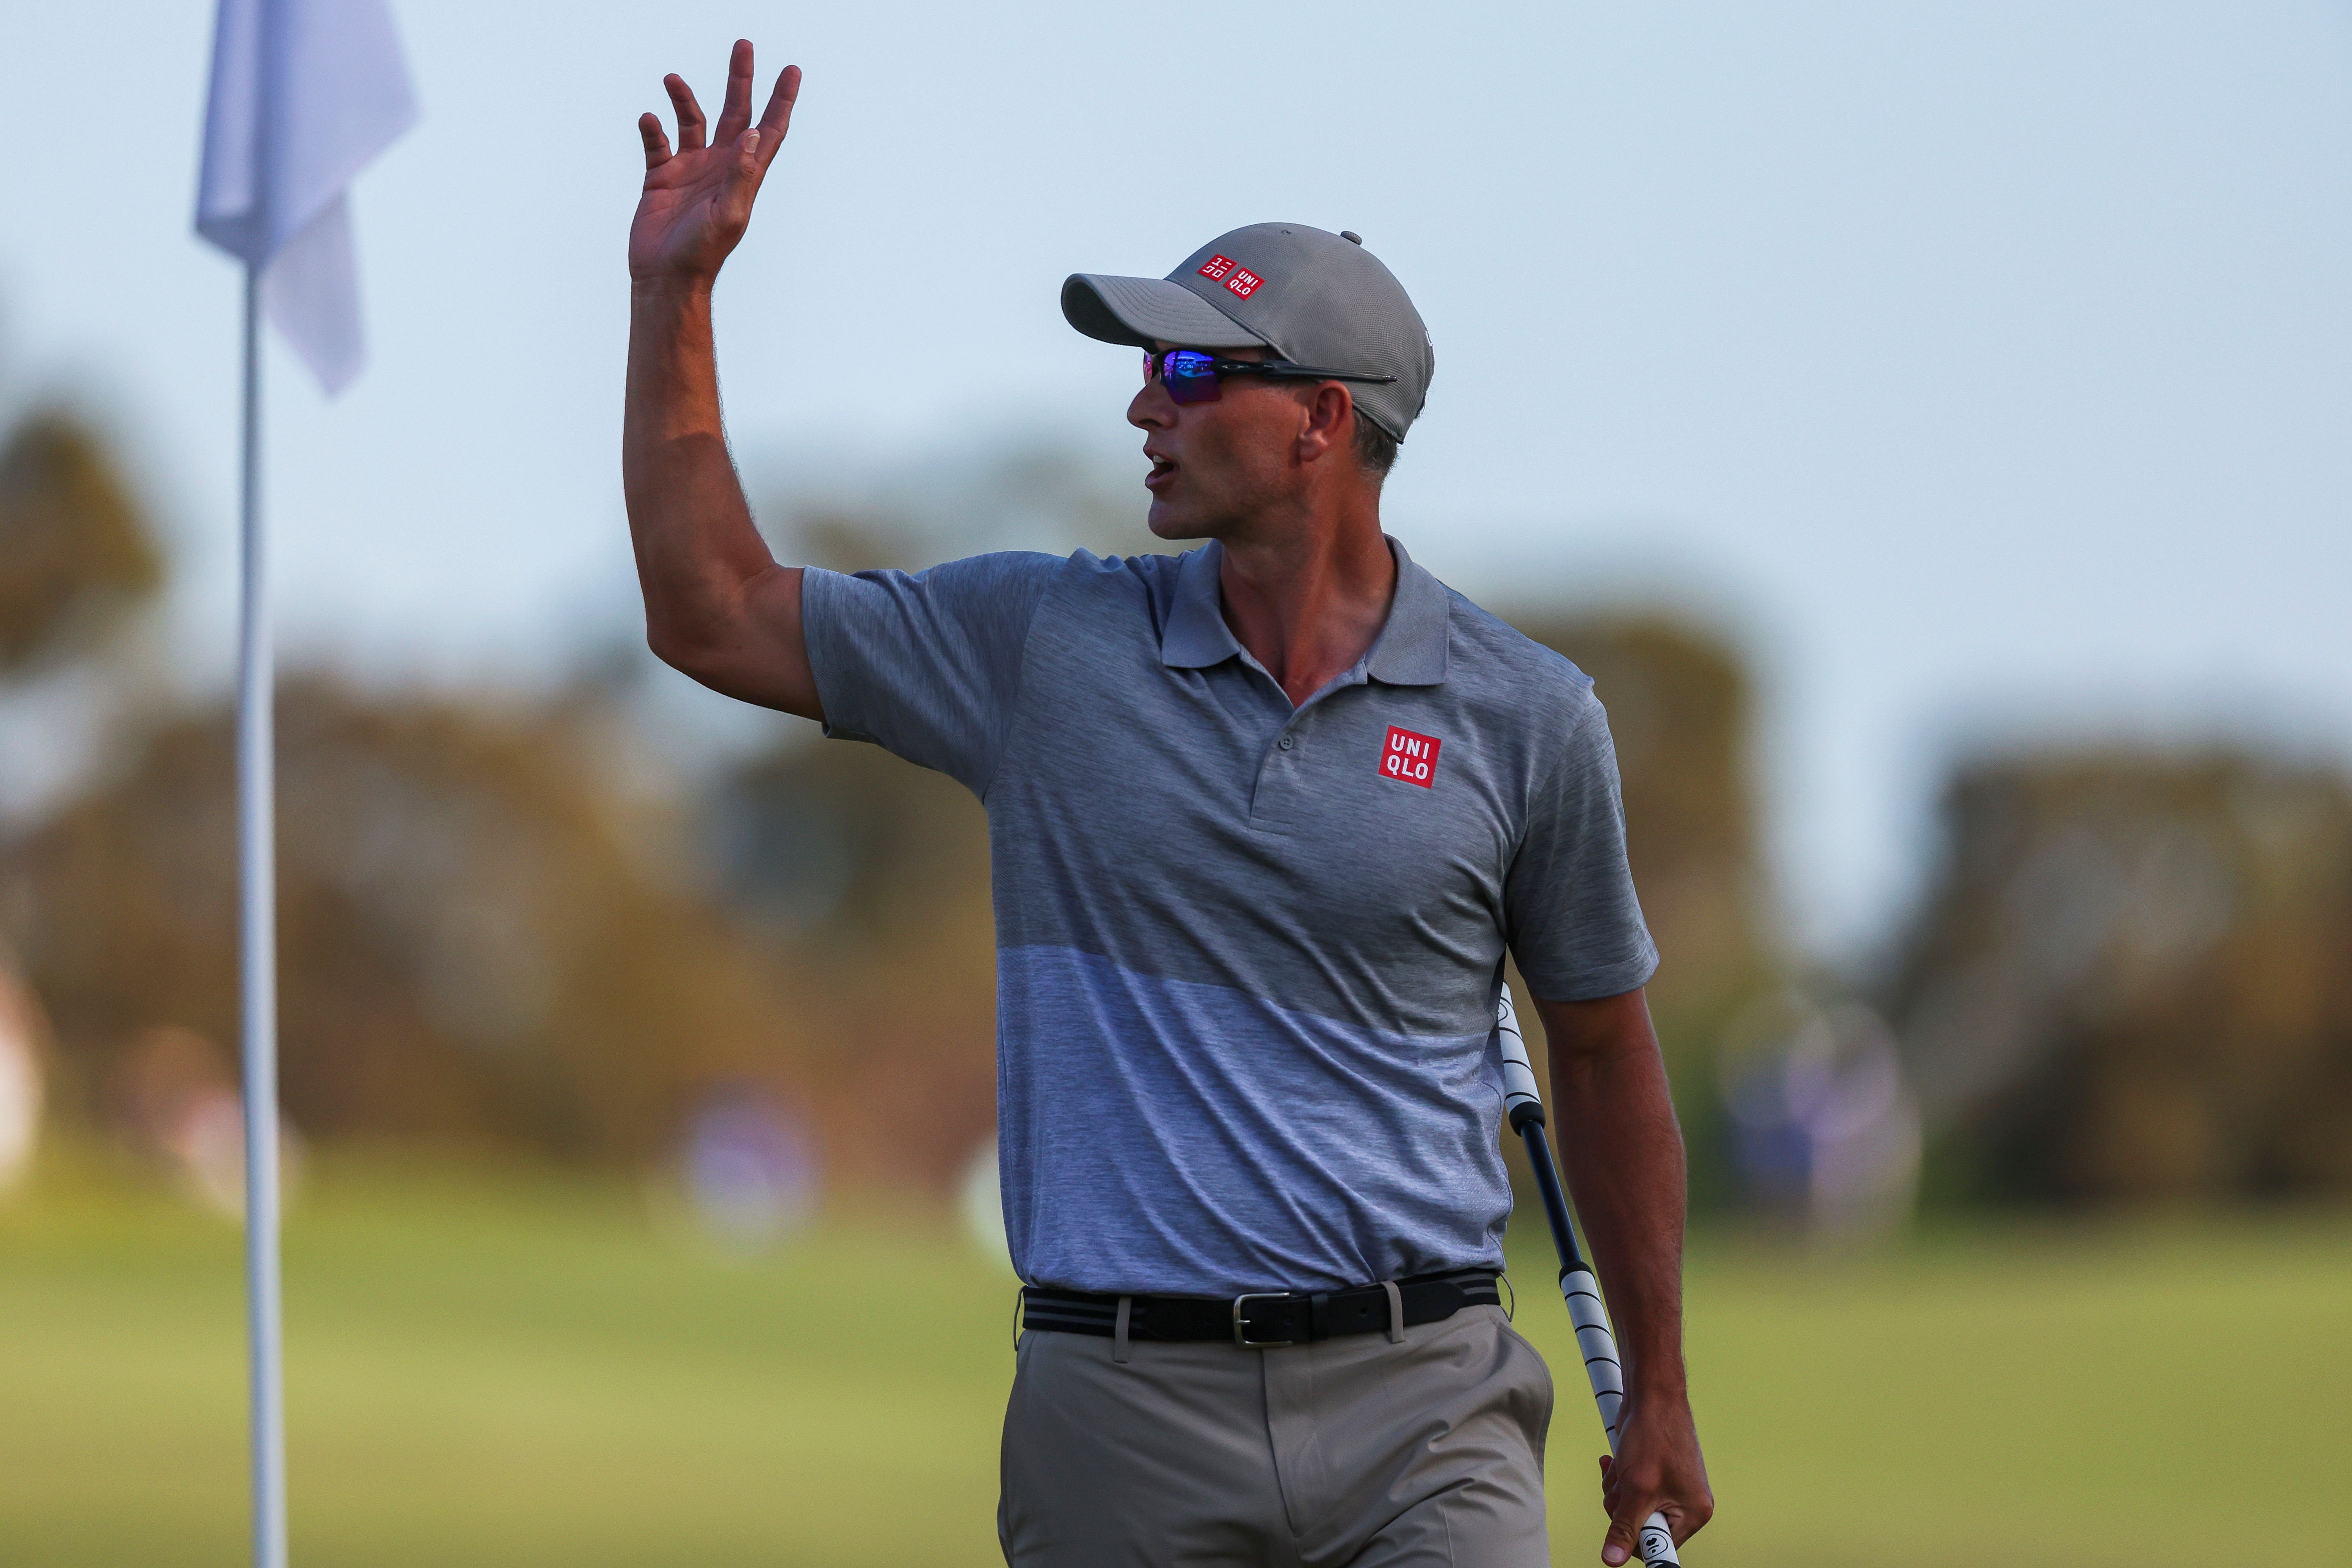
(1300, 372)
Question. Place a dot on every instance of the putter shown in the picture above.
(1578, 1285)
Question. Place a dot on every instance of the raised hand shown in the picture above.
(697, 200)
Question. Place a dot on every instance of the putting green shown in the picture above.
(501, 1368)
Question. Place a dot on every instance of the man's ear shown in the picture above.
(1330, 426)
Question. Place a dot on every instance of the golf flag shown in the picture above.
(305, 93)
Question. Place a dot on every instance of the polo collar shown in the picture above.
(1410, 651)
(1196, 635)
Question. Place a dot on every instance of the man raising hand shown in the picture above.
(1265, 818)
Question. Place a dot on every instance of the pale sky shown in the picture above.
(1986, 369)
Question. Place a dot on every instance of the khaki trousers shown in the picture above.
(1352, 1453)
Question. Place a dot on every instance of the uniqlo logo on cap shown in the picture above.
(1410, 757)
(1244, 282)
(1218, 267)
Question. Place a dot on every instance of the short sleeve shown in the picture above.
(1574, 923)
(927, 664)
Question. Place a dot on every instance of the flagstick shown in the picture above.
(257, 977)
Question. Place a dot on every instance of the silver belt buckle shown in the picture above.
(1241, 1330)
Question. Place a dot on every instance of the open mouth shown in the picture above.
(1162, 471)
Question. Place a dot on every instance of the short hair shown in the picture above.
(1376, 449)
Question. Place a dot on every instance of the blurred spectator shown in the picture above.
(1825, 1130)
(20, 1078)
(749, 1169)
(980, 1201)
(173, 1097)
(2132, 980)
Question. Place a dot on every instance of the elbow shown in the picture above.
(723, 667)
(686, 655)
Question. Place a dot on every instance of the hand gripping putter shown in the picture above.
(1524, 1105)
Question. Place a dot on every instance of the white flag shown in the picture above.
(305, 93)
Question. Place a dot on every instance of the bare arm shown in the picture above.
(717, 605)
(1623, 1151)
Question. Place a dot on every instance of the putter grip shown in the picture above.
(1521, 1100)
(1656, 1545)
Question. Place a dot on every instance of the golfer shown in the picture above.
(1264, 818)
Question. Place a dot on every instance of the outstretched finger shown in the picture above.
(779, 116)
(649, 126)
(744, 171)
(735, 113)
(749, 164)
(690, 113)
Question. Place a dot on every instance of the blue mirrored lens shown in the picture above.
(1190, 375)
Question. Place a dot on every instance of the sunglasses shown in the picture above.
(1192, 375)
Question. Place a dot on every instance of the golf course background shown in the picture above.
(490, 1364)
(1977, 696)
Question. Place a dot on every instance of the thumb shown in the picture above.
(1625, 1521)
(1618, 1544)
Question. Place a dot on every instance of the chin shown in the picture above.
(1172, 522)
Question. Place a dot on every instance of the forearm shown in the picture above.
(717, 605)
(1623, 1153)
(695, 542)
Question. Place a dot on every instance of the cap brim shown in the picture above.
(1140, 311)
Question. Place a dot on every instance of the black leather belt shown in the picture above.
(1260, 1320)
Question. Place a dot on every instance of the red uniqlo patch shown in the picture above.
(1244, 282)
(1218, 267)
(1410, 757)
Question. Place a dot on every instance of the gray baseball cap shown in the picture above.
(1313, 297)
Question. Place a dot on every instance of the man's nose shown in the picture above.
(1152, 409)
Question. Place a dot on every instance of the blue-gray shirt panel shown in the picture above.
(1247, 976)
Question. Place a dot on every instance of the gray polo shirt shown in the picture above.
(1247, 954)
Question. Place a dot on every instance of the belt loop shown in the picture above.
(1119, 1331)
(1396, 1312)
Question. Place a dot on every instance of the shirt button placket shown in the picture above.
(1269, 798)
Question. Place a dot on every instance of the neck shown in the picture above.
(1308, 598)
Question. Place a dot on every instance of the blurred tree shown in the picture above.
(2132, 980)
(475, 943)
(76, 552)
(874, 874)
(77, 556)
(1679, 712)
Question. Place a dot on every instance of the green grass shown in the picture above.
(501, 1368)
